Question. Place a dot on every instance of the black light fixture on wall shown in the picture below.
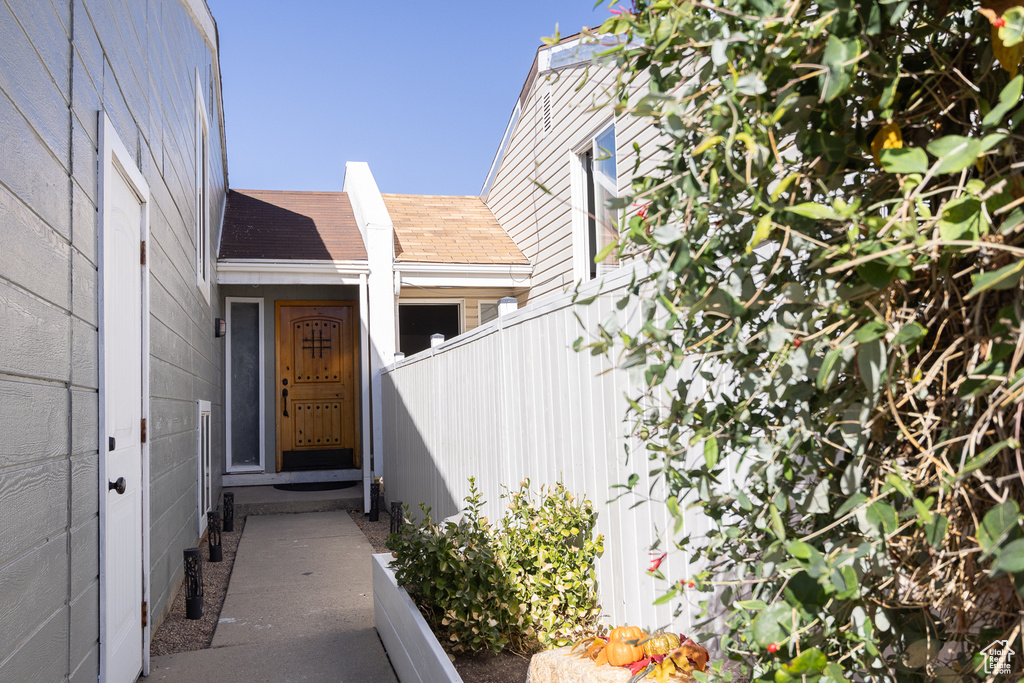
(220, 328)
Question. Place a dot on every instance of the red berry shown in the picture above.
(692, 584)
(999, 22)
(797, 343)
(773, 648)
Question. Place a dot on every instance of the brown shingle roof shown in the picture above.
(442, 229)
(273, 224)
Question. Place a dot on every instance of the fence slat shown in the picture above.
(516, 401)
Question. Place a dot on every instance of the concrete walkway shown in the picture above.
(299, 608)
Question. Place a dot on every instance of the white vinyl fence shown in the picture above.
(513, 400)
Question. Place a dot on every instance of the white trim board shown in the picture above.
(228, 468)
(204, 485)
(115, 158)
(507, 276)
(263, 272)
(204, 264)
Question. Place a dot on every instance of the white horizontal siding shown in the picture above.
(541, 222)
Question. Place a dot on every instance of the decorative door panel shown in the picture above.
(318, 399)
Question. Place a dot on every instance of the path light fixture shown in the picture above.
(213, 530)
(193, 584)
(229, 512)
(374, 500)
(396, 516)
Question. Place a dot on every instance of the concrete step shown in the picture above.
(266, 500)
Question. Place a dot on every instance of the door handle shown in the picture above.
(111, 443)
(118, 486)
(284, 401)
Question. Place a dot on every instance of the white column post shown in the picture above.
(377, 230)
(507, 304)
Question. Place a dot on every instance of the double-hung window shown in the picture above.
(595, 224)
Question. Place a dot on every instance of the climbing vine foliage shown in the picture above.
(831, 331)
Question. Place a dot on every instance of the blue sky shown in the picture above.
(420, 91)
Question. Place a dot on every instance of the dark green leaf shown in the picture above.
(1010, 558)
(871, 359)
(825, 373)
(963, 219)
(998, 522)
(882, 515)
(838, 60)
(812, 210)
(871, 331)
(852, 502)
(766, 627)
(909, 335)
(711, 452)
(954, 152)
(1008, 99)
(935, 531)
(810, 661)
(1006, 277)
(904, 160)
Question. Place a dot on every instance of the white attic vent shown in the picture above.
(544, 116)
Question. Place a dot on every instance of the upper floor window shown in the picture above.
(202, 178)
(595, 225)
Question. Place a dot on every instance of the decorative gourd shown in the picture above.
(622, 647)
(690, 653)
(660, 643)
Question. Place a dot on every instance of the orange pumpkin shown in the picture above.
(623, 645)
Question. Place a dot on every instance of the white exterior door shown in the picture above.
(121, 487)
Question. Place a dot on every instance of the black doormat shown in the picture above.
(316, 486)
(318, 459)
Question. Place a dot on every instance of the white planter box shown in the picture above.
(415, 654)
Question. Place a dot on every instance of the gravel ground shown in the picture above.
(178, 634)
(506, 667)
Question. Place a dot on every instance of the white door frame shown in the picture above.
(115, 158)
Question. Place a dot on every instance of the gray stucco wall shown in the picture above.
(271, 294)
(61, 63)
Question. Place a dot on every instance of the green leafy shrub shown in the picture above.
(454, 574)
(549, 550)
(836, 233)
(485, 590)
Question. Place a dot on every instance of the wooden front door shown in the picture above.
(317, 385)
